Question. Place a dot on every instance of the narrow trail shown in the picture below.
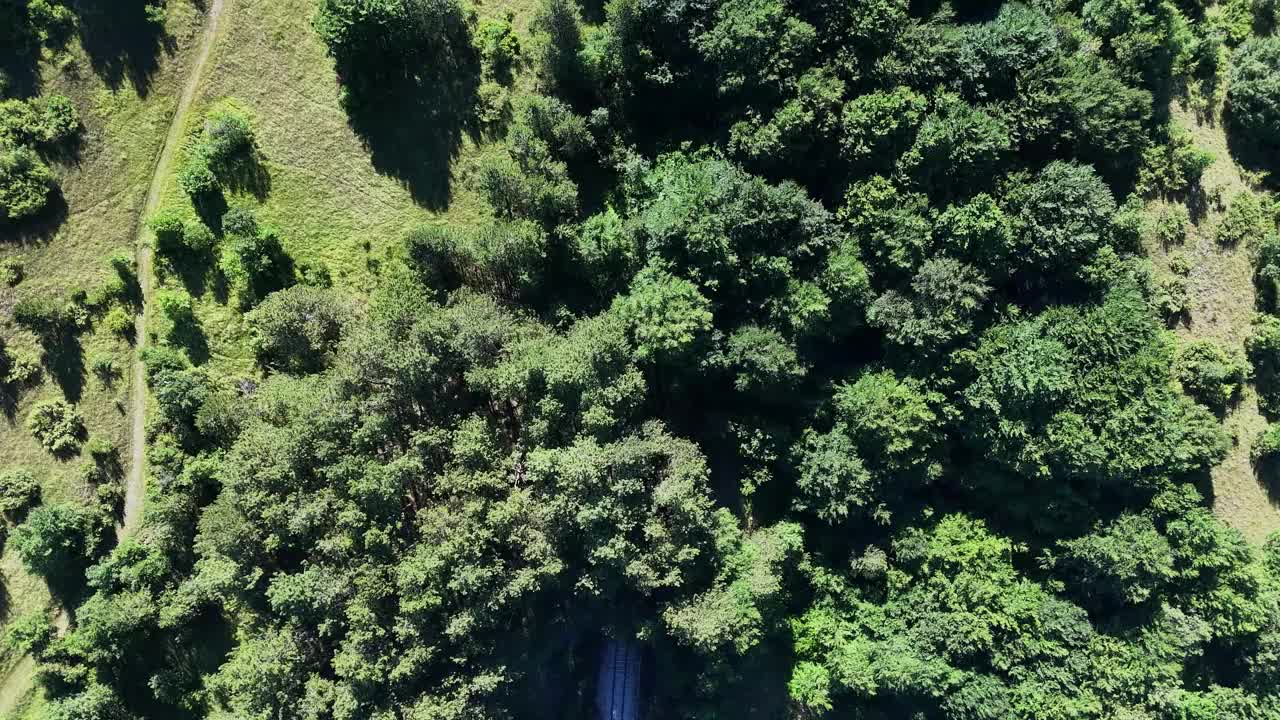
(16, 684)
(135, 483)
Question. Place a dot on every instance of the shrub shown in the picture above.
(18, 491)
(24, 367)
(12, 271)
(1210, 373)
(119, 323)
(43, 316)
(227, 140)
(296, 328)
(19, 122)
(30, 633)
(57, 425)
(1245, 221)
(1179, 264)
(168, 225)
(1170, 297)
(58, 119)
(1171, 225)
(499, 46)
(197, 236)
(1263, 349)
(1267, 445)
(176, 307)
(196, 179)
(104, 368)
(25, 183)
(1173, 167)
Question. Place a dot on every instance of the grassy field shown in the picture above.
(338, 199)
(1222, 304)
(125, 89)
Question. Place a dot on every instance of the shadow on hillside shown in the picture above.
(413, 129)
(122, 41)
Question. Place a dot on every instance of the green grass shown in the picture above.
(332, 204)
(1222, 304)
(104, 189)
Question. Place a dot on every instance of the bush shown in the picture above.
(57, 425)
(227, 141)
(104, 368)
(168, 225)
(44, 317)
(119, 323)
(12, 271)
(499, 46)
(1267, 445)
(30, 633)
(1210, 373)
(196, 179)
(1263, 349)
(18, 491)
(1179, 264)
(58, 119)
(24, 367)
(1173, 167)
(197, 236)
(25, 183)
(1171, 225)
(1246, 221)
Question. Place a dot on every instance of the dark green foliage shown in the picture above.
(252, 259)
(944, 300)
(499, 46)
(806, 346)
(1253, 93)
(1263, 349)
(1060, 217)
(958, 146)
(669, 319)
(1126, 562)
(764, 361)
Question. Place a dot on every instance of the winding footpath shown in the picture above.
(16, 684)
(135, 485)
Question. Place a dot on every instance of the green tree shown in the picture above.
(669, 318)
(1253, 92)
(298, 328)
(52, 541)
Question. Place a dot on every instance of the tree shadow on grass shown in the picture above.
(122, 41)
(39, 228)
(191, 337)
(64, 360)
(413, 128)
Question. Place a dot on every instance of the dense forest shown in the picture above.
(811, 347)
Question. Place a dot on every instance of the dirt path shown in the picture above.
(17, 682)
(135, 483)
